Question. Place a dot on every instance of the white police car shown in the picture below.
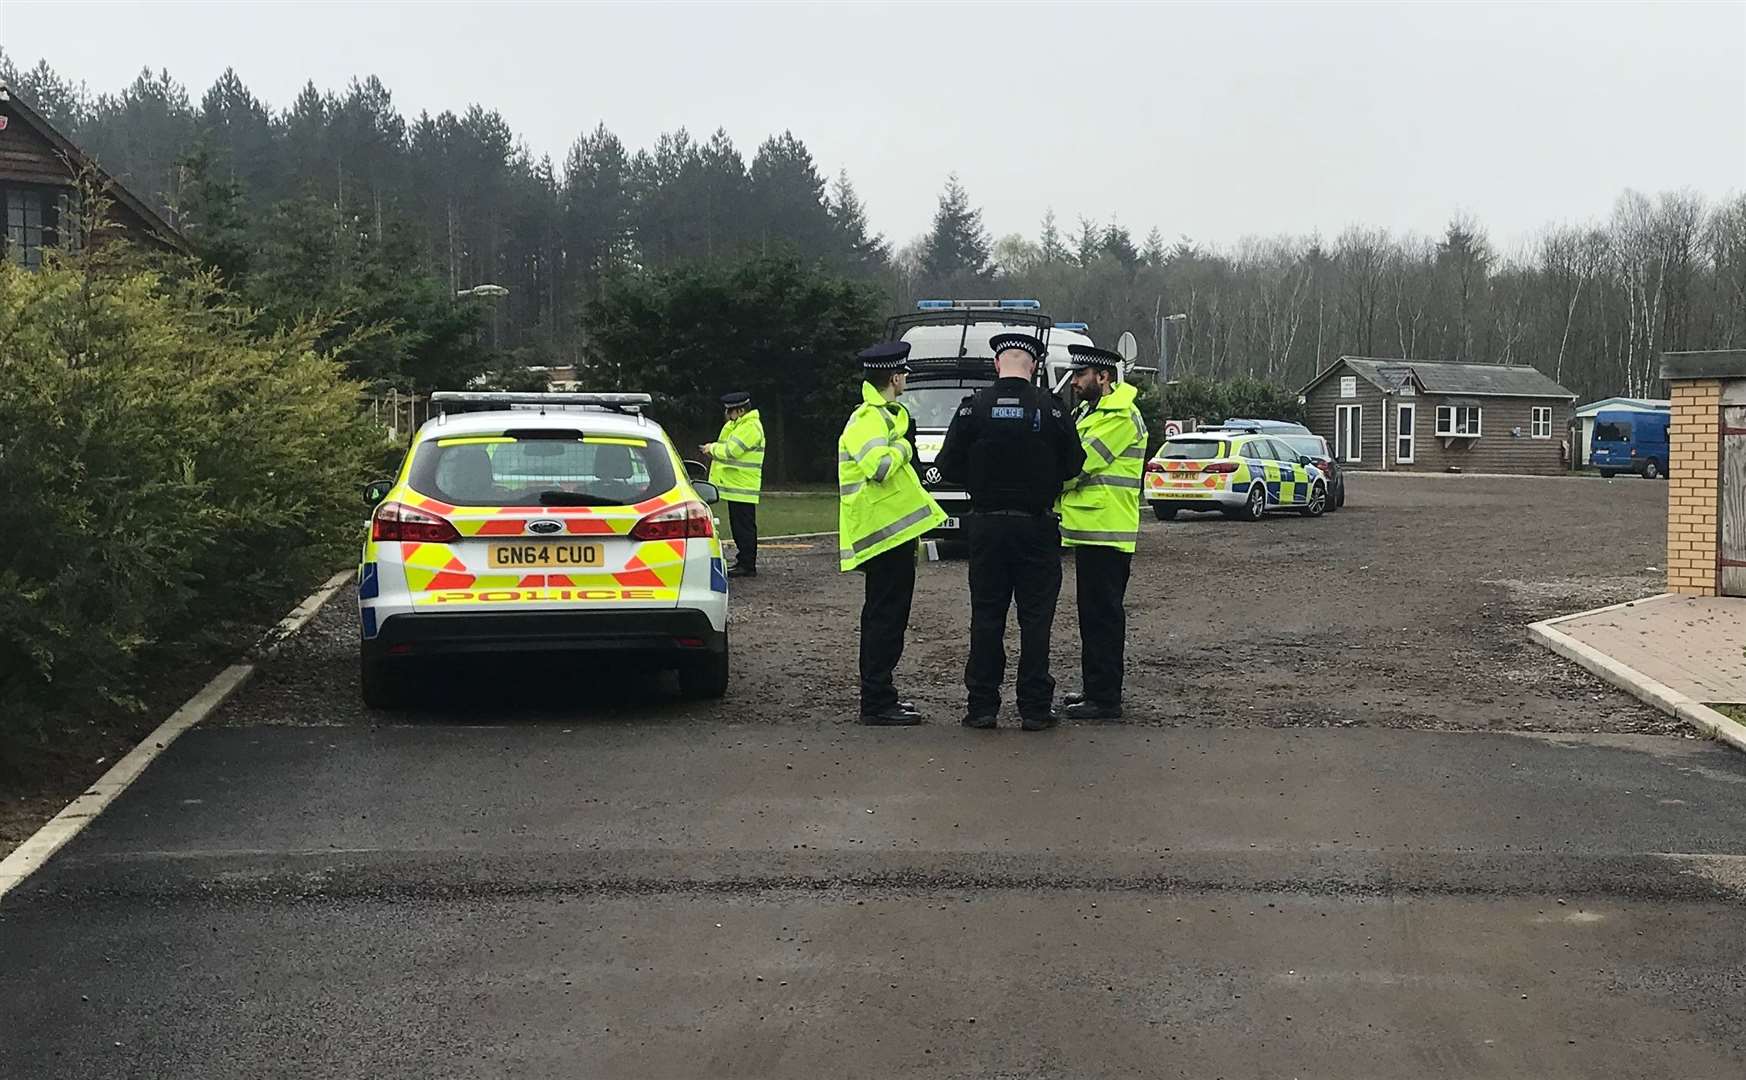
(543, 522)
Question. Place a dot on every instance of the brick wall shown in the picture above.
(1694, 492)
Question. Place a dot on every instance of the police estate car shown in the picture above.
(544, 522)
(1241, 474)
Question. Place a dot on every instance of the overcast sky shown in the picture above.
(1212, 121)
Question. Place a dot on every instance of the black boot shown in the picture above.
(891, 717)
(1040, 721)
(1092, 710)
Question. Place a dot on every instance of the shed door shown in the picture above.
(1733, 498)
(1348, 433)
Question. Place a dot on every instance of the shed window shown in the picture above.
(24, 226)
(1542, 422)
(1458, 421)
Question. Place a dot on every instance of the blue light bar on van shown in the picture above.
(1077, 326)
(933, 305)
(1021, 305)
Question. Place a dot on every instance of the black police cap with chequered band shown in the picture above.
(885, 356)
(736, 399)
(1089, 356)
(1002, 342)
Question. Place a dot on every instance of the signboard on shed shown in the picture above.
(1348, 386)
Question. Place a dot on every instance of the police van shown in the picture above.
(949, 358)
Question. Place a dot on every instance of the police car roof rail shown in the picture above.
(448, 401)
(966, 317)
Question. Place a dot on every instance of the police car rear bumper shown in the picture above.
(678, 632)
(1209, 500)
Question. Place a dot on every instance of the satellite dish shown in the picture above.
(1127, 346)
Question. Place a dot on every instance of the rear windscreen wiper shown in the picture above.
(575, 498)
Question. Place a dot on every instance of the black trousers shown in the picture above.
(1101, 574)
(884, 621)
(1012, 558)
(743, 520)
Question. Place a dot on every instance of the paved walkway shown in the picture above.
(1696, 646)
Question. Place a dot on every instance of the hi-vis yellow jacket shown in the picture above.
(1101, 505)
(736, 464)
(881, 503)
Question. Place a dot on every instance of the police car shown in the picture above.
(541, 522)
(949, 358)
(1239, 473)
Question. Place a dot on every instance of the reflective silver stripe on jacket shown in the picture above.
(1105, 480)
(1101, 447)
(871, 445)
(914, 517)
(1095, 535)
(1137, 450)
(845, 490)
(882, 470)
(737, 491)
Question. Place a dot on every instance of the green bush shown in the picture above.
(166, 474)
(1213, 400)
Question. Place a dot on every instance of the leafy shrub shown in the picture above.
(165, 473)
(1213, 400)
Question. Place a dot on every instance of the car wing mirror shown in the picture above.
(377, 490)
(706, 491)
(1305, 459)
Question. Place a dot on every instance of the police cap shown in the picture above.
(736, 399)
(1002, 342)
(886, 356)
(1090, 356)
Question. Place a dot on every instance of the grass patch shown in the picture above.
(784, 515)
(1732, 712)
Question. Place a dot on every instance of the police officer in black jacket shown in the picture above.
(1012, 446)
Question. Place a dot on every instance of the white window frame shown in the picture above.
(1404, 433)
(1354, 447)
(1540, 422)
(1460, 421)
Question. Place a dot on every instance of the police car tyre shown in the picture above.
(1318, 502)
(1256, 507)
(1163, 513)
(1339, 497)
(382, 684)
(705, 676)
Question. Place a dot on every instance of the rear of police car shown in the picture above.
(544, 522)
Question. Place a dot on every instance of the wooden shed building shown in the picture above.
(41, 175)
(1432, 416)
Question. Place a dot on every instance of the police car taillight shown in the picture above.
(1220, 466)
(397, 521)
(1155, 466)
(675, 523)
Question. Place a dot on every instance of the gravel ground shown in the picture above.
(1405, 609)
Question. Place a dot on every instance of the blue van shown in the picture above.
(1627, 440)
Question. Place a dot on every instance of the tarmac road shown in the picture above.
(513, 884)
